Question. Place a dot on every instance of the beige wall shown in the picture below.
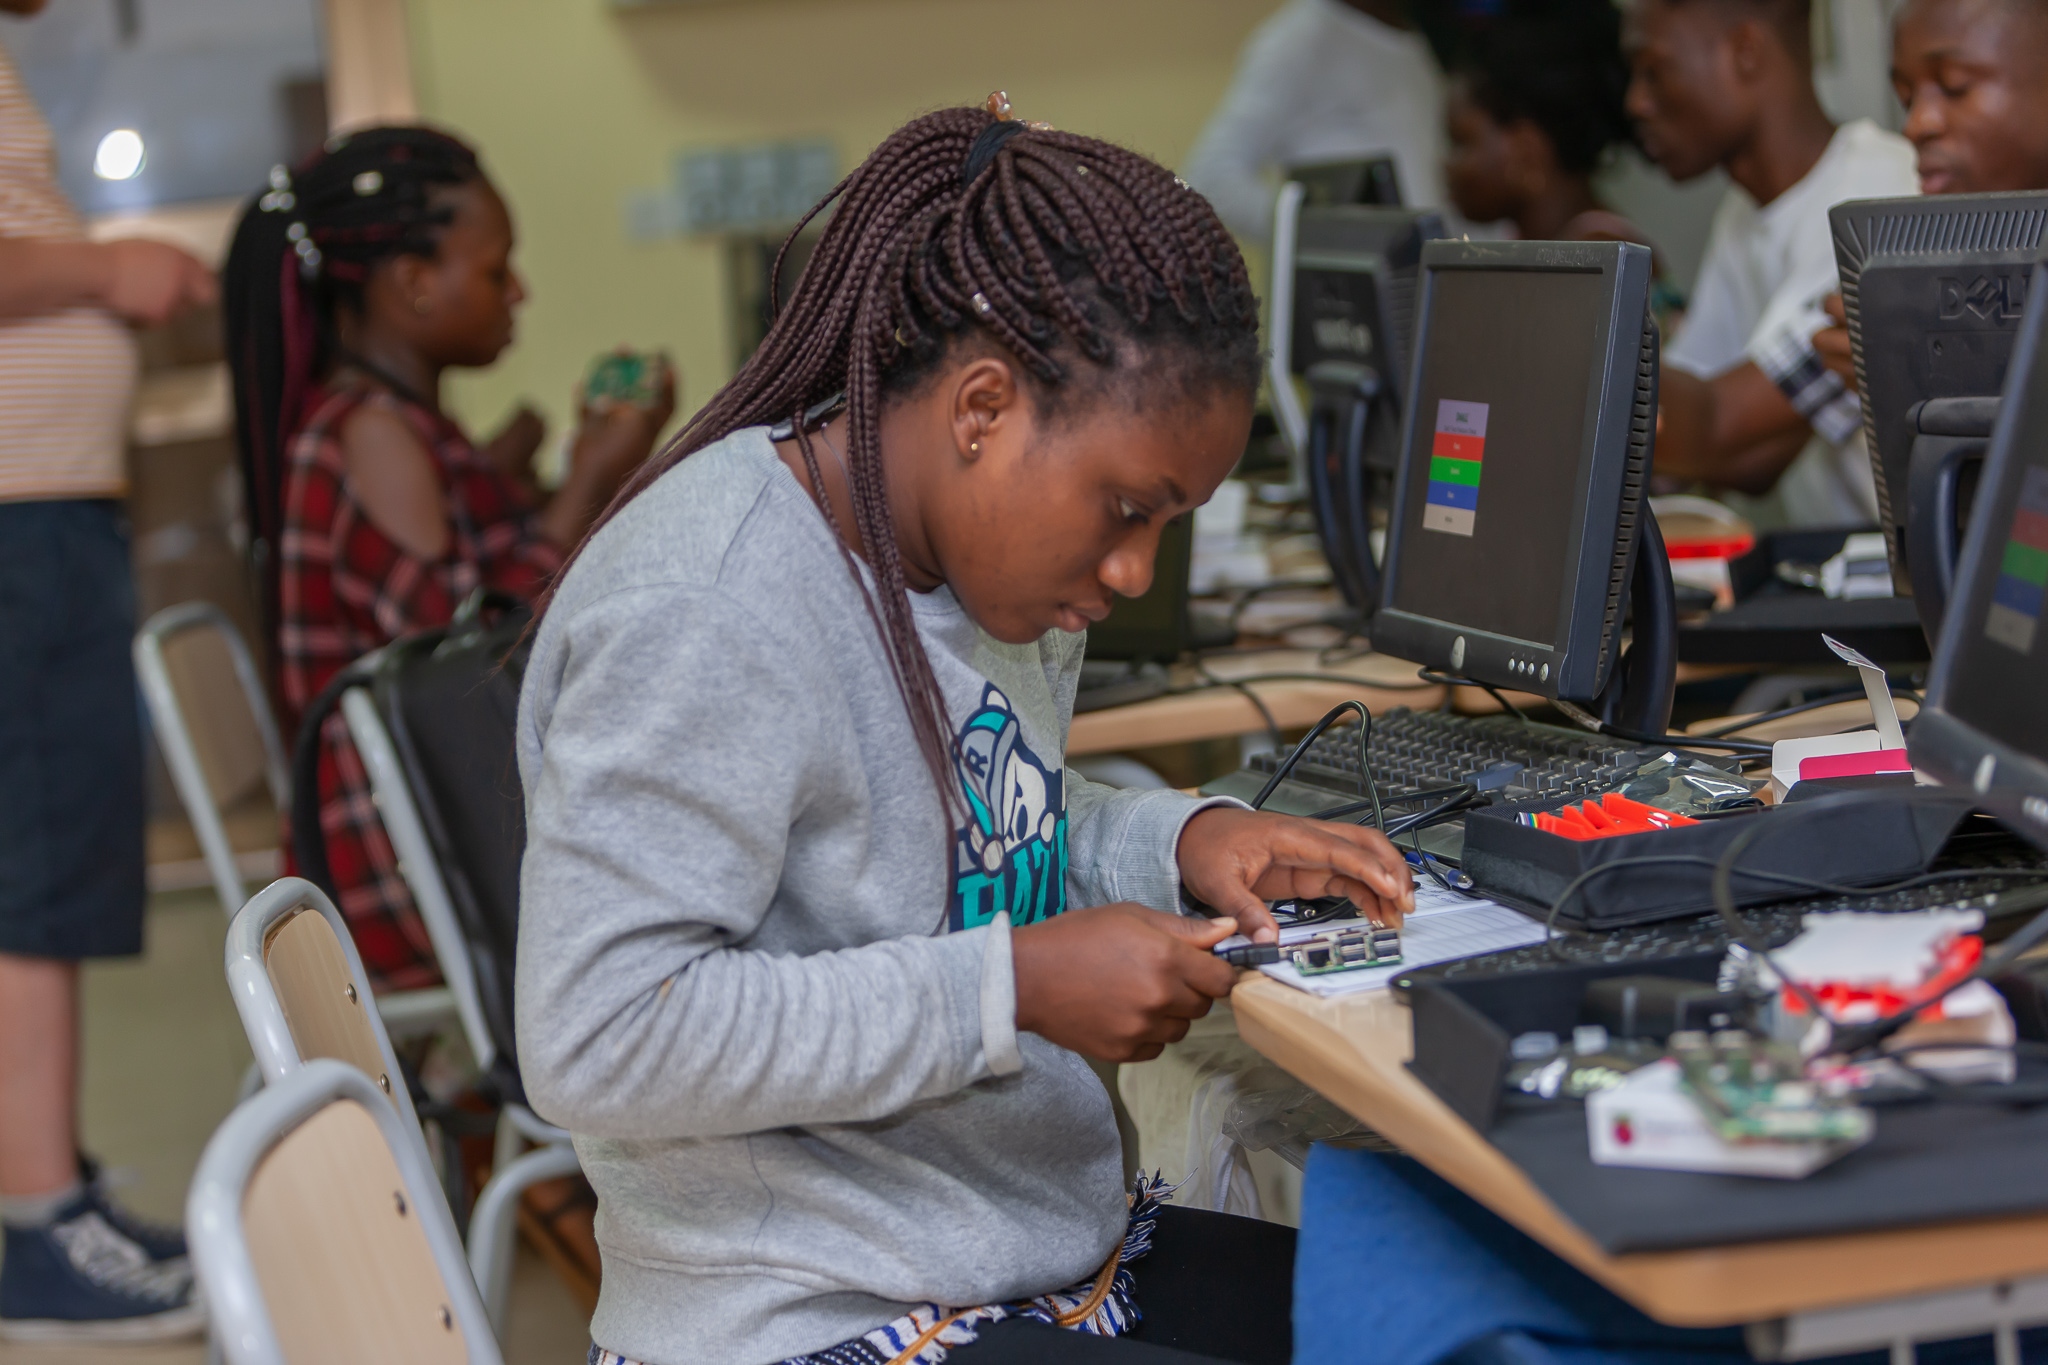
(576, 104)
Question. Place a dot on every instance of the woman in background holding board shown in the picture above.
(353, 284)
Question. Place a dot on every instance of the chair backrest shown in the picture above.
(301, 991)
(319, 1235)
(213, 721)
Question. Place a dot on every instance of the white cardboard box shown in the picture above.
(1651, 1122)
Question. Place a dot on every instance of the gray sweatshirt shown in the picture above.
(760, 979)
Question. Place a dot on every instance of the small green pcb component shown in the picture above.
(625, 377)
(1346, 950)
(1752, 1089)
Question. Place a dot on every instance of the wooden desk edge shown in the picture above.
(1219, 713)
(1324, 1043)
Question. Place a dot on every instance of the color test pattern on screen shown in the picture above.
(1457, 457)
(1502, 389)
(2016, 597)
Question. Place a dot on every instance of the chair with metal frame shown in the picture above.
(318, 1234)
(298, 983)
(191, 648)
(494, 1218)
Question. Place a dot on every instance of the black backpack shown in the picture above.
(450, 699)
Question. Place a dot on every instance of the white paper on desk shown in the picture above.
(1444, 925)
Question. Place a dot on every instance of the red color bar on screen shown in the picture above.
(1452, 446)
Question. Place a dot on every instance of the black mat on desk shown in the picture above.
(1931, 1163)
(1784, 626)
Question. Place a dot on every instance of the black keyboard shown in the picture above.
(2007, 901)
(1423, 750)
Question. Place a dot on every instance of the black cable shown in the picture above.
(1368, 784)
(1434, 678)
(1753, 748)
(1434, 815)
(1765, 717)
(1738, 928)
(1244, 688)
(1347, 678)
(1809, 884)
(1400, 799)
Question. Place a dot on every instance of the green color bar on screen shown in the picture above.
(2021, 561)
(1455, 471)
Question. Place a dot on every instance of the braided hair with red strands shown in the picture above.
(302, 253)
(1101, 272)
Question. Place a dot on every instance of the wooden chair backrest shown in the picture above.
(217, 714)
(346, 1269)
(326, 1012)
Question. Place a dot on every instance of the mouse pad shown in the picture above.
(1928, 1163)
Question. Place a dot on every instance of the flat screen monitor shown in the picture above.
(1524, 459)
(1933, 288)
(1350, 334)
(1985, 724)
(1373, 180)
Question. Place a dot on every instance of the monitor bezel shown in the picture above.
(2009, 783)
(1576, 665)
(1945, 231)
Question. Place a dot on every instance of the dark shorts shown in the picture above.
(71, 805)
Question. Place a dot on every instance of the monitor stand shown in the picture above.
(1641, 689)
(1343, 401)
(1950, 436)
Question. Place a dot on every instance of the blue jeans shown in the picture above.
(1396, 1267)
(71, 802)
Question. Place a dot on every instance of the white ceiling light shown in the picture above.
(120, 156)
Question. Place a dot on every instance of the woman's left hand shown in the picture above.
(1237, 860)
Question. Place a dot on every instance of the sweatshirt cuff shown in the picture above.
(999, 1001)
(1148, 868)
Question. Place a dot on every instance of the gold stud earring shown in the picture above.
(974, 447)
(423, 305)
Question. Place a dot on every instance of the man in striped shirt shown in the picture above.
(75, 1266)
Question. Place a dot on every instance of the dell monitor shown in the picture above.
(1512, 548)
(1373, 181)
(1985, 724)
(1349, 323)
(1934, 288)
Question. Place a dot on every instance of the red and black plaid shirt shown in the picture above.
(344, 589)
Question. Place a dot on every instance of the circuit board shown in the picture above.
(1345, 950)
(1751, 1089)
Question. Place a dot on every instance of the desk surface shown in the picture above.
(1354, 1049)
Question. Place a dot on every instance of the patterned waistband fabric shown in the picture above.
(927, 1334)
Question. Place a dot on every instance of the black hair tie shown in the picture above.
(987, 143)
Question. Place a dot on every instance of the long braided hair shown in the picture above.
(1093, 266)
(303, 252)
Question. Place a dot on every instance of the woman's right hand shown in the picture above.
(1118, 982)
(612, 440)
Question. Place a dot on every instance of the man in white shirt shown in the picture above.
(1323, 80)
(1747, 405)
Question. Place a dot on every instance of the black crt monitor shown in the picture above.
(1373, 180)
(1934, 288)
(1512, 553)
(1153, 628)
(1985, 722)
(1350, 337)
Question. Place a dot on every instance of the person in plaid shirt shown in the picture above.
(353, 283)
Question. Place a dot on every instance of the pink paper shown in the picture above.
(1855, 765)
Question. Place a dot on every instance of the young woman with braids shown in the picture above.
(353, 284)
(814, 920)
